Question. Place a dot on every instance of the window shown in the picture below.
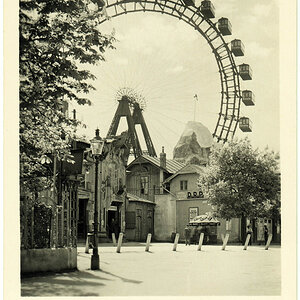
(244, 67)
(183, 185)
(236, 43)
(144, 185)
(245, 121)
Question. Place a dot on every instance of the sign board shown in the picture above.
(195, 194)
(113, 208)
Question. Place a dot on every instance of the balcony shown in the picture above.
(148, 194)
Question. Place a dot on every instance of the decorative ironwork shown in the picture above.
(50, 226)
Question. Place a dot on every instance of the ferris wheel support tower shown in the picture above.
(132, 119)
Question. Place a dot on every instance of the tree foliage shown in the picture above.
(242, 181)
(58, 39)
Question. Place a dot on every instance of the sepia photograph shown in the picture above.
(150, 154)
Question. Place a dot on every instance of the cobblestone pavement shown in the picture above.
(162, 272)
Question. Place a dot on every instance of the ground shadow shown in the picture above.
(122, 278)
(128, 252)
(63, 284)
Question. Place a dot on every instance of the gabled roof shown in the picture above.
(188, 169)
(172, 166)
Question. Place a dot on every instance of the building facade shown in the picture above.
(111, 191)
(144, 179)
(186, 201)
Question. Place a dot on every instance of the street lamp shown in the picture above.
(97, 145)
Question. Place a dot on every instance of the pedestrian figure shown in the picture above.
(206, 234)
(193, 237)
(187, 233)
(249, 231)
(115, 228)
(266, 233)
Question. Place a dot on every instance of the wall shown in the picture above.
(48, 260)
(146, 213)
(233, 228)
(133, 180)
(192, 185)
(164, 217)
(183, 204)
(182, 212)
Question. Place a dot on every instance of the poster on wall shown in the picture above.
(193, 212)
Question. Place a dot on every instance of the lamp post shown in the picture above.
(97, 148)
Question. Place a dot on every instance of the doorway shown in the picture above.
(82, 219)
(113, 224)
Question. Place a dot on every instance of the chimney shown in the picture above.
(163, 158)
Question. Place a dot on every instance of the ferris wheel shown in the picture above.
(202, 19)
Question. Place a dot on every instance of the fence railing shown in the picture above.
(50, 226)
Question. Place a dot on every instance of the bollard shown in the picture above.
(247, 241)
(148, 242)
(176, 241)
(113, 236)
(200, 241)
(225, 241)
(222, 237)
(268, 241)
(87, 248)
(119, 242)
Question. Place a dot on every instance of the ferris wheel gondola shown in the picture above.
(248, 97)
(207, 9)
(200, 19)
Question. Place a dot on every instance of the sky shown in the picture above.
(168, 62)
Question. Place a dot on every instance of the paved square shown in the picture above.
(163, 272)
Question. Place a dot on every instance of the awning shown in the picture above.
(205, 220)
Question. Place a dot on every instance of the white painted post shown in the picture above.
(148, 242)
(120, 242)
(87, 248)
(225, 241)
(222, 237)
(247, 241)
(200, 241)
(114, 239)
(269, 241)
(176, 241)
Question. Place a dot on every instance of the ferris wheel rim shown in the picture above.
(229, 113)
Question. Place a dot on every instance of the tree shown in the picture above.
(242, 182)
(58, 39)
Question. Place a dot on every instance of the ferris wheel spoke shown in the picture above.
(228, 71)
